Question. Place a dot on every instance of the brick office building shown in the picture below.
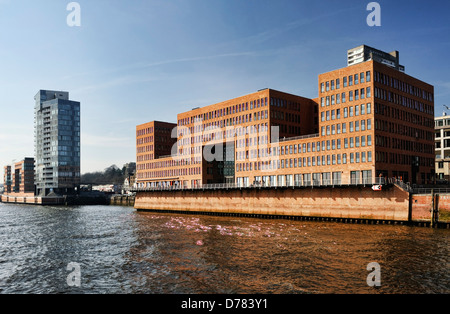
(370, 120)
(20, 179)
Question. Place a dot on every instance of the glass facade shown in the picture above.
(57, 142)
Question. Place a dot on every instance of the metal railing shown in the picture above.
(294, 184)
(286, 139)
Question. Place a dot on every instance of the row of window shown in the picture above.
(395, 143)
(224, 112)
(354, 126)
(313, 161)
(341, 97)
(169, 173)
(347, 112)
(350, 80)
(403, 101)
(255, 116)
(351, 142)
(402, 86)
(401, 129)
(402, 159)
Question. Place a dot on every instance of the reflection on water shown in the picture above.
(124, 251)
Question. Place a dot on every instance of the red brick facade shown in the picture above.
(369, 121)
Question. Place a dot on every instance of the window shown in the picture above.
(345, 142)
(356, 110)
(332, 85)
(333, 129)
(350, 125)
(363, 109)
(343, 97)
(350, 95)
(356, 126)
(338, 113)
(363, 125)
(357, 94)
(344, 128)
(322, 116)
(328, 115)
(356, 79)
(369, 140)
(368, 76)
(357, 141)
(345, 81)
(332, 99)
(333, 114)
(369, 124)
(338, 98)
(369, 109)
(362, 93)
(350, 80)
(350, 111)
(345, 112)
(338, 83)
(322, 87)
(327, 86)
(361, 77)
(368, 92)
(352, 158)
(322, 102)
(344, 158)
(352, 143)
(363, 141)
(369, 156)
(339, 144)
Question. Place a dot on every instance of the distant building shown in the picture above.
(57, 143)
(7, 188)
(23, 177)
(20, 179)
(442, 148)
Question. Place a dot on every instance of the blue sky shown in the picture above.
(132, 62)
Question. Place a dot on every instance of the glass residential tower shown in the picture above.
(57, 143)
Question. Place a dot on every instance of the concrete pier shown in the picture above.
(350, 204)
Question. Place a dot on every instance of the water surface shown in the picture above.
(120, 250)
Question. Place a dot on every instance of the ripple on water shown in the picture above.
(123, 251)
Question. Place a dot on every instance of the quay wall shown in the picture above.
(32, 200)
(355, 202)
(122, 200)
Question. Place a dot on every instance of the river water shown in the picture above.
(121, 251)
